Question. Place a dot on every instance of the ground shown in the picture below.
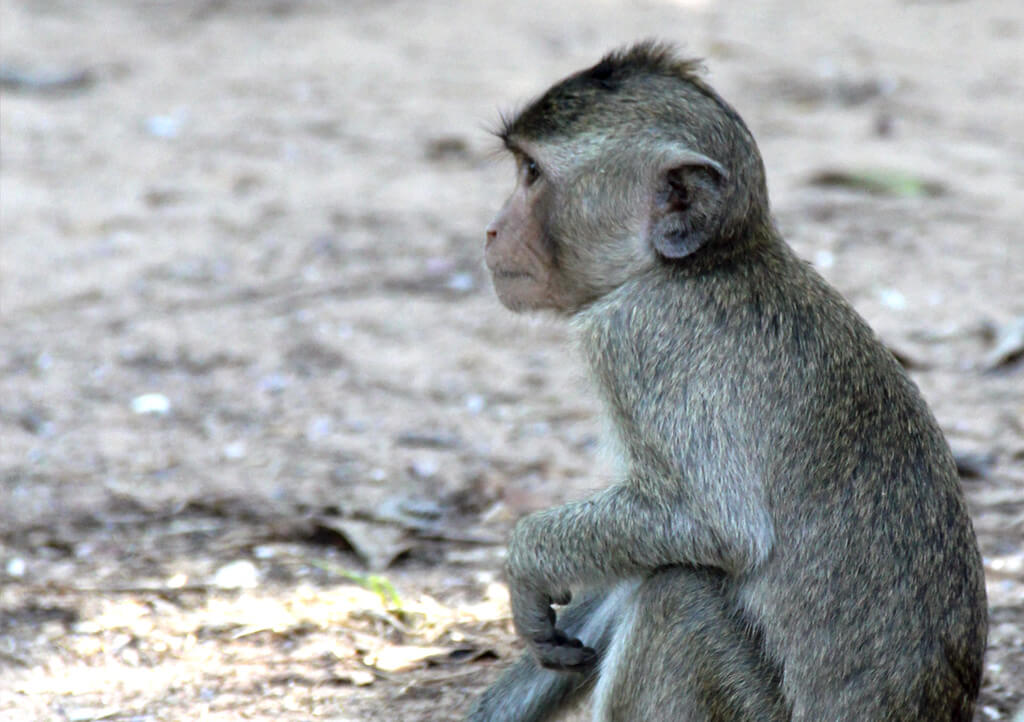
(263, 425)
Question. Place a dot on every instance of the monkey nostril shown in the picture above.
(492, 233)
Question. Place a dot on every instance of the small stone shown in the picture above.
(151, 404)
(319, 428)
(164, 126)
(234, 450)
(241, 574)
(893, 299)
(824, 259)
(360, 677)
(424, 468)
(273, 383)
(461, 282)
(16, 567)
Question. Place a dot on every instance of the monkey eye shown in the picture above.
(531, 170)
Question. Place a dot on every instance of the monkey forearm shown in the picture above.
(620, 534)
(556, 553)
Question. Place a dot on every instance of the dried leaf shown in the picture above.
(428, 440)
(461, 655)
(41, 81)
(358, 677)
(395, 658)
(880, 182)
(972, 465)
(906, 359)
(376, 544)
(1009, 346)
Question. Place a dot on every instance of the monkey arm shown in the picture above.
(626, 532)
(620, 533)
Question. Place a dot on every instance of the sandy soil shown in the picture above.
(263, 426)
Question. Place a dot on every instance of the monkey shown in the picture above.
(785, 536)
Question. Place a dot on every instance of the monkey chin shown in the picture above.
(518, 291)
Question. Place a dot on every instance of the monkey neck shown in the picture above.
(757, 256)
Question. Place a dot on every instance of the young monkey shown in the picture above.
(787, 538)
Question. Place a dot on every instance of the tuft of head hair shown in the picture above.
(568, 101)
(647, 57)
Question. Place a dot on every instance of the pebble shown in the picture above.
(319, 428)
(16, 567)
(824, 259)
(151, 404)
(235, 450)
(273, 383)
(893, 299)
(241, 574)
(461, 282)
(424, 468)
(165, 126)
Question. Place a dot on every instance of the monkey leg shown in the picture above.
(527, 692)
(682, 653)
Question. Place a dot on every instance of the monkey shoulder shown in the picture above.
(680, 358)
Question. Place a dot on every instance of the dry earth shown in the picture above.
(262, 424)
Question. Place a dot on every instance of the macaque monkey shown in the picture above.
(786, 537)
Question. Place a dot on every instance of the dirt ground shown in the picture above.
(263, 426)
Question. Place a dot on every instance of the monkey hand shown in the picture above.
(562, 652)
(554, 649)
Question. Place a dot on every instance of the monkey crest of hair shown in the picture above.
(570, 100)
(785, 537)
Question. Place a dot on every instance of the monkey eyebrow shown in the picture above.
(510, 145)
(503, 131)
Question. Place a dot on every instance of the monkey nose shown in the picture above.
(492, 233)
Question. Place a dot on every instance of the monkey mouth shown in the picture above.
(504, 275)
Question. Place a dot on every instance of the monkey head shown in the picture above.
(631, 165)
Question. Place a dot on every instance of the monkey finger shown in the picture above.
(556, 637)
(565, 657)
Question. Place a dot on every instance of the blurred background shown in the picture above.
(263, 426)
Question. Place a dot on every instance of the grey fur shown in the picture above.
(787, 501)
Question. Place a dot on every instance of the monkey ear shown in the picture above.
(688, 207)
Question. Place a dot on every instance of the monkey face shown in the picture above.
(520, 252)
(574, 227)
